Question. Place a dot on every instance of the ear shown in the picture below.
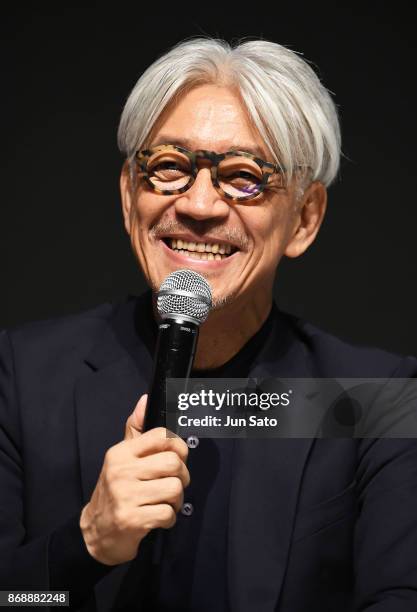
(126, 192)
(309, 218)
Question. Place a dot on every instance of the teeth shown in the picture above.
(205, 256)
(201, 250)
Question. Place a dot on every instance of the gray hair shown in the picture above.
(291, 109)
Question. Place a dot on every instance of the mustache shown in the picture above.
(201, 228)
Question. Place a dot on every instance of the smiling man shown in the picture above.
(229, 151)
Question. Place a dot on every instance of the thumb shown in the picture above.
(134, 424)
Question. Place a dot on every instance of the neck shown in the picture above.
(227, 330)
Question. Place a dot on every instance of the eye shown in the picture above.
(244, 175)
(241, 178)
(239, 171)
(168, 170)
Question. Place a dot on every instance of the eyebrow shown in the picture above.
(186, 143)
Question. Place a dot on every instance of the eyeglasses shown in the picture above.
(237, 175)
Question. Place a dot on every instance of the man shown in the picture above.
(289, 524)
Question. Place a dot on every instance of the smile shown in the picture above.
(208, 251)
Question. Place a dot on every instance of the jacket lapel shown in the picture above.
(119, 369)
(267, 476)
(104, 400)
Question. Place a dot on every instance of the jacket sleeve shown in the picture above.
(58, 560)
(385, 543)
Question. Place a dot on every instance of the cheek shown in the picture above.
(268, 229)
(147, 210)
(142, 211)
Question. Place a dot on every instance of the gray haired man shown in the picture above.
(229, 151)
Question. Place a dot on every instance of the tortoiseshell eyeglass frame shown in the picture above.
(268, 169)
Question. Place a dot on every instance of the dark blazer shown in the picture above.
(315, 524)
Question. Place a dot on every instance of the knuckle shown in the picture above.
(179, 446)
(169, 443)
(175, 486)
(168, 515)
(112, 475)
(166, 444)
(184, 448)
(173, 462)
(121, 519)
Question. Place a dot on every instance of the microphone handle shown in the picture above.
(174, 357)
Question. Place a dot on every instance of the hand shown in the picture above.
(140, 487)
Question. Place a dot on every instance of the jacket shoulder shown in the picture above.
(333, 356)
(70, 335)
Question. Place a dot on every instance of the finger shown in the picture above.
(161, 465)
(156, 516)
(156, 441)
(134, 424)
(167, 490)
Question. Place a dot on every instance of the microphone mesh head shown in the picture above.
(184, 293)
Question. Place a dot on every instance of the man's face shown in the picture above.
(251, 237)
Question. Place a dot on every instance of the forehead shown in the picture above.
(209, 117)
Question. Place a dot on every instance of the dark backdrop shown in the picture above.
(66, 73)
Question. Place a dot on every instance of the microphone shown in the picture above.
(183, 303)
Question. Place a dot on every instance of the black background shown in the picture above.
(66, 72)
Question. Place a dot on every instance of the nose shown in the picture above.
(202, 201)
